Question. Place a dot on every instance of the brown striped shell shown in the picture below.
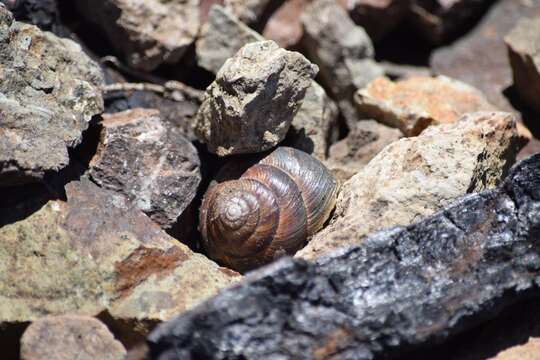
(269, 212)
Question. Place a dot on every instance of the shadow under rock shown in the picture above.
(529, 116)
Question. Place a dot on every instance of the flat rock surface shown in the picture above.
(404, 288)
(70, 337)
(414, 177)
(49, 91)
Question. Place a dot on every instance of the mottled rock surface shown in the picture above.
(96, 253)
(523, 44)
(147, 33)
(42, 13)
(157, 169)
(252, 102)
(414, 177)
(49, 91)
(70, 337)
(221, 38)
(363, 142)
(404, 288)
(342, 50)
(415, 103)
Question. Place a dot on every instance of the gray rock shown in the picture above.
(252, 12)
(147, 33)
(70, 337)
(404, 288)
(342, 50)
(49, 91)
(221, 38)
(42, 13)
(252, 102)
(156, 169)
(523, 44)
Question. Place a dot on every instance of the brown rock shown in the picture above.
(523, 44)
(364, 141)
(70, 337)
(253, 12)
(284, 26)
(414, 177)
(528, 351)
(158, 170)
(417, 102)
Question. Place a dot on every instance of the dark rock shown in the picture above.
(403, 288)
(157, 169)
(42, 13)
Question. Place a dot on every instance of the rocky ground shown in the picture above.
(416, 219)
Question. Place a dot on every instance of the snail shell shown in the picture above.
(269, 212)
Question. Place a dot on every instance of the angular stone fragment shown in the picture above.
(368, 138)
(147, 33)
(405, 288)
(49, 91)
(415, 103)
(315, 125)
(414, 177)
(342, 50)
(97, 253)
(221, 38)
(158, 170)
(70, 337)
(523, 44)
(250, 105)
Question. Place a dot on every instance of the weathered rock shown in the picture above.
(342, 50)
(221, 38)
(315, 125)
(250, 105)
(439, 20)
(158, 170)
(415, 103)
(284, 26)
(414, 177)
(377, 17)
(49, 91)
(523, 44)
(527, 351)
(177, 107)
(70, 337)
(363, 142)
(253, 12)
(147, 33)
(404, 288)
(97, 253)
(42, 13)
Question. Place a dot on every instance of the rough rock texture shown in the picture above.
(527, 351)
(342, 50)
(439, 20)
(315, 125)
(284, 26)
(70, 337)
(221, 38)
(42, 13)
(147, 33)
(524, 51)
(250, 105)
(97, 253)
(158, 170)
(49, 91)
(363, 142)
(414, 177)
(403, 288)
(417, 102)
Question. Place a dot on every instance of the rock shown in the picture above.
(523, 44)
(315, 126)
(414, 177)
(405, 288)
(177, 107)
(415, 103)
(156, 169)
(251, 104)
(342, 50)
(70, 337)
(368, 138)
(147, 33)
(284, 26)
(440, 20)
(98, 254)
(253, 12)
(42, 13)
(527, 351)
(377, 17)
(221, 38)
(49, 91)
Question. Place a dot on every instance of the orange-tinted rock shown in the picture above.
(528, 351)
(284, 26)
